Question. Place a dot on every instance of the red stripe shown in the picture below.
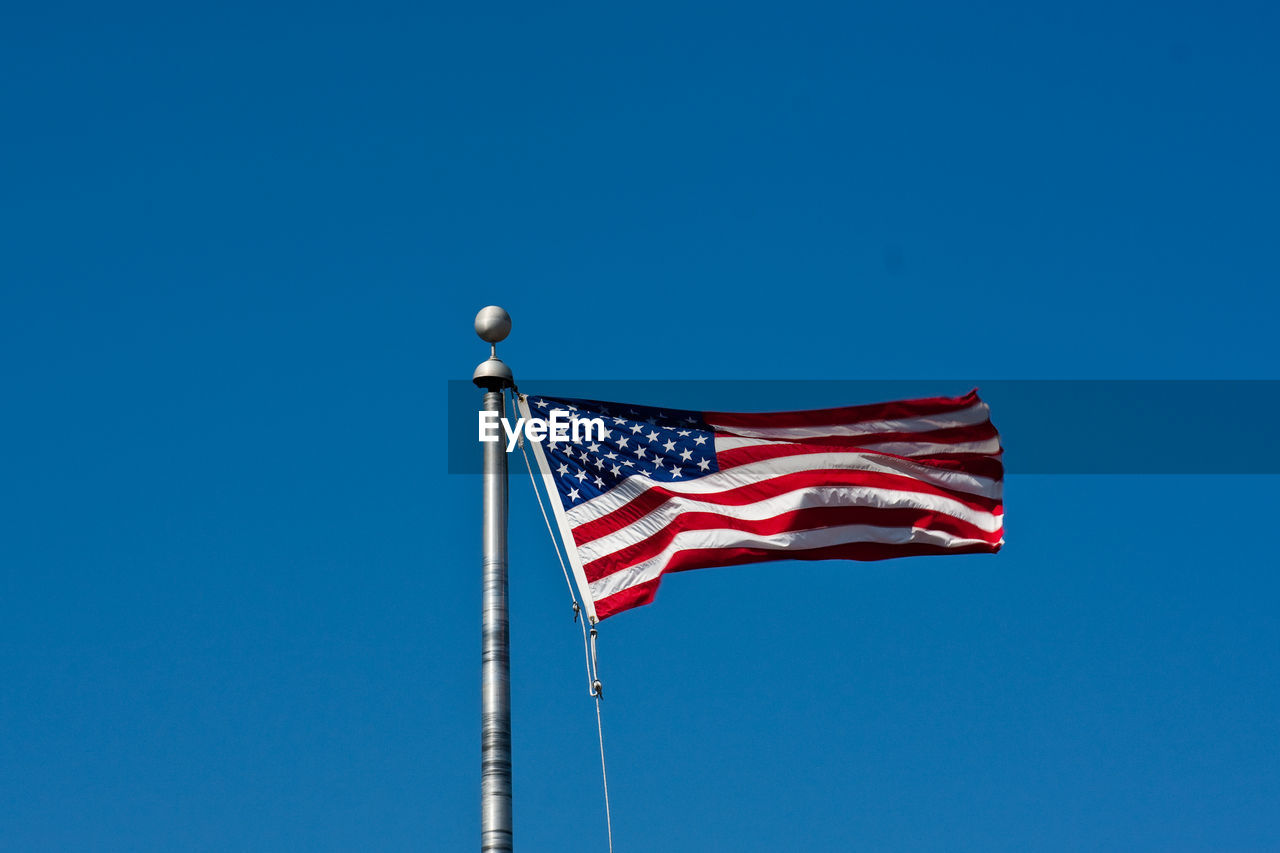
(987, 465)
(632, 596)
(707, 558)
(808, 518)
(843, 415)
(977, 464)
(754, 492)
(735, 456)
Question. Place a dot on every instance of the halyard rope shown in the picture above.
(588, 645)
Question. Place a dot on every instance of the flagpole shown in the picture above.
(492, 325)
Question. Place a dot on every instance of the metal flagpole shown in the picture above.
(492, 325)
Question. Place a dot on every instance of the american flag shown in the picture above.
(667, 490)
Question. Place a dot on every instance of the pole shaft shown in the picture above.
(495, 673)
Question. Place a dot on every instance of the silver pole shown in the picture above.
(492, 325)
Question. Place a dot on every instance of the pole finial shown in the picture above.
(493, 324)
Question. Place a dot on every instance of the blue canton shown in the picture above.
(664, 445)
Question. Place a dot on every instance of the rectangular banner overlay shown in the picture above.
(1047, 426)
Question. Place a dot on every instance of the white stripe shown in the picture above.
(968, 416)
(802, 498)
(741, 475)
(989, 446)
(792, 540)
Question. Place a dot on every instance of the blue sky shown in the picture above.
(243, 248)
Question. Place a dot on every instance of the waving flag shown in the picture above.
(671, 490)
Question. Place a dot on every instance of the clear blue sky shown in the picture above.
(243, 245)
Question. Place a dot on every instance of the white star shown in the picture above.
(704, 465)
(599, 483)
(669, 446)
(653, 436)
(581, 475)
(563, 469)
(611, 455)
(691, 420)
(620, 421)
(685, 454)
(617, 472)
(682, 433)
(598, 462)
(593, 447)
(622, 442)
(573, 494)
(675, 471)
(639, 452)
(572, 408)
(701, 439)
(635, 428)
